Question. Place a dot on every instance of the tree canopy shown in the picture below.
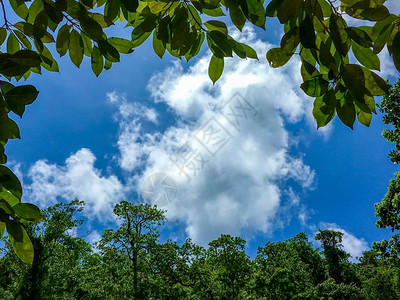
(67, 267)
(315, 30)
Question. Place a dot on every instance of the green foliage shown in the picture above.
(313, 29)
(65, 267)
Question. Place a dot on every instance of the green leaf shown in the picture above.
(27, 211)
(354, 80)
(87, 45)
(359, 36)
(215, 68)
(140, 38)
(34, 9)
(2, 228)
(10, 198)
(217, 26)
(49, 63)
(12, 44)
(375, 84)
(27, 58)
(6, 207)
(219, 45)
(277, 58)
(366, 57)
(23, 39)
(250, 52)
(92, 28)
(315, 86)
(76, 48)
(9, 182)
(339, 35)
(324, 108)
(396, 50)
(97, 61)
(214, 12)
(109, 51)
(20, 241)
(3, 35)
(364, 115)
(20, 9)
(63, 37)
(131, 5)
(290, 40)
(40, 25)
(237, 16)
(122, 45)
(158, 46)
(272, 8)
(256, 12)
(307, 33)
(112, 9)
(346, 111)
(20, 96)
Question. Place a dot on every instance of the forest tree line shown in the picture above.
(131, 263)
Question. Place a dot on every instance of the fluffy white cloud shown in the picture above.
(239, 188)
(353, 245)
(78, 178)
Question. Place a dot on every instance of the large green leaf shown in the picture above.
(315, 86)
(122, 45)
(158, 46)
(62, 41)
(76, 48)
(277, 57)
(346, 110)
(215, 68)
(20, 96)
(324, 108)
(97, 61)
(396, 50)
(27, 211)
(9, 182)
(20, 241)
(366, 57)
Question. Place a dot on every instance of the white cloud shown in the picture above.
(78, 178)
(239, 189)
(353, 245)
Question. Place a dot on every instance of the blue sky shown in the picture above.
(98, 139)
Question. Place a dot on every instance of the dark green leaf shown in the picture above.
(27, 211)
(109, 51)
(359, 36)
(131, 5)
(40, 25)
(324, 108)
(346, 111)
(9, 182)
(315, 86)
(20, 96)
(396, 50)
(27, 58)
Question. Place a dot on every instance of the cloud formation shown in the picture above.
(233, 185)
(78, 178)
